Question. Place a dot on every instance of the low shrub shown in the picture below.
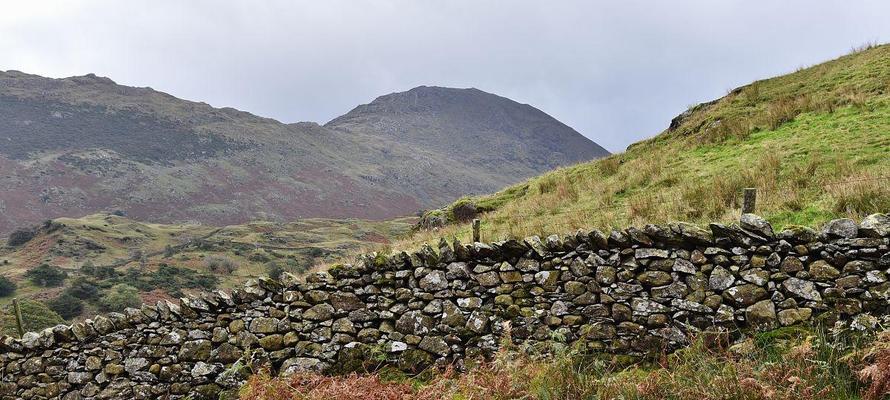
(83, 289)
(274, 270)
(46, 275)
(101, 272)
(220, 264)
(7, 286)
(169, 278)
(20, 236)
(119, 297)
(258, 256)
(66, 305)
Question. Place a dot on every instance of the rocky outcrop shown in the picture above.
(636, 291)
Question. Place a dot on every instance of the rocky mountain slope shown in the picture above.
(482, 130)
(80, 145)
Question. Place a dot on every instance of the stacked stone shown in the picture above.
(635, 291)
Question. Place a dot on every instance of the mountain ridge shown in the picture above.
(79, 145)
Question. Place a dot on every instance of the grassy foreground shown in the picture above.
(815, 143)
(789, 363)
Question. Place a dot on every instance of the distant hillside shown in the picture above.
(163, 261)
(80, 145)
(815, 143)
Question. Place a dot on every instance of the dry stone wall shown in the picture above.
(634, 292)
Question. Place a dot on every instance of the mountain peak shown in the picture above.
(91, 79)
(472, 123)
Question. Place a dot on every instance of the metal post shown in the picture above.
(18, 317)
(476, 235)
(750, 200)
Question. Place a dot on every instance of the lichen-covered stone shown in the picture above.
(802, 288)
(655, 278)
(756, 224)
(841, 228)
(794, 316)
(821, 270)
(745, 295)
(720, 279)
(264, 325)
(761, 315)
(196, 350)
(875, 226)
(319, 312)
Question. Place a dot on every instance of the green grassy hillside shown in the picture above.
(815, 143)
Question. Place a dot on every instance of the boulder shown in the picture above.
(875, 226)
(761, 315)
(745, 295)
(655, 278)
(414, 323)
(720, 279)
(435, 345)
(841, 228)
(756, 224)
(319, 312)
(821, 270)
(434, 281)
(802, 289)
(794, 315)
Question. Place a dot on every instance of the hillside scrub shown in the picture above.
(119, 297)
(46, 275)
(39, 317)
(220, 264)
(19, 237)
(83, 289)
(815, 144)
(66, 305)
(7, 286)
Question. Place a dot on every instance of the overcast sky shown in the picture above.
(615, 71)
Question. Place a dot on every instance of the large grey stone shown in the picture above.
(761, 315)
(875, 225)
(414, 323)
(655, 278)
(434, 281)
(841, 228)
(720, 279)
(319, 312)
(756, 224)
(801, 288)
(745, 295)
(435, 345)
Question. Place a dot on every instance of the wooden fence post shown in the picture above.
(476, 236)
(18, 317)
(750, 200)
